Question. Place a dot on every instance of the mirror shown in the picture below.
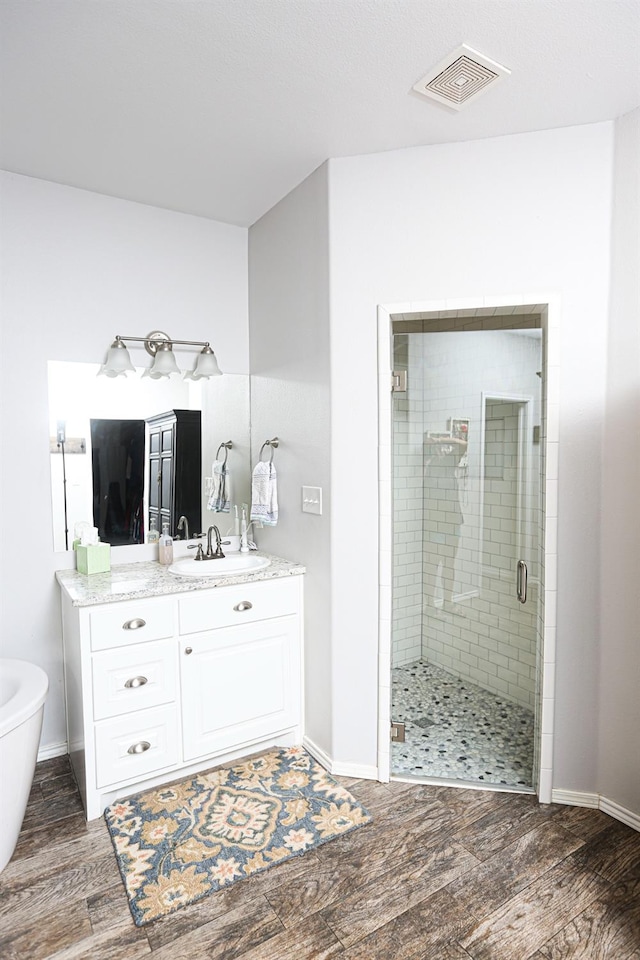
(102, 472)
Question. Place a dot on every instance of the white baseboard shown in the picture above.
(52, 750)
(316, 752)
(576, 799)
(620, 813)
(361, 771)
(597, 802)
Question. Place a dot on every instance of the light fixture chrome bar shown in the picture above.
(188, 343)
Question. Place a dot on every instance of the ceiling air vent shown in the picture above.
(462, 77)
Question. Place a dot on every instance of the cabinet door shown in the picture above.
(239, 685)
(166, 493)
(155, 478)
(161, 473)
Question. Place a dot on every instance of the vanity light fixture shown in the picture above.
(160, 346)
(118, 360)
(206, 365)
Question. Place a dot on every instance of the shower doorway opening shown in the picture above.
(467, 585)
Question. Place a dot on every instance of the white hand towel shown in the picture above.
(264, 494)
(220, 495)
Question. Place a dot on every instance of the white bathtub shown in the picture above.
(23, 690)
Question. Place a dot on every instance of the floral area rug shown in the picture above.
(178, 843)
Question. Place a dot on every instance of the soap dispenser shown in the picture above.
(165, 548)
(152, 535)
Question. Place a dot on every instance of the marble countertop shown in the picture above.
(133, 581)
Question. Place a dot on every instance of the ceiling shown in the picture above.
(220, 107)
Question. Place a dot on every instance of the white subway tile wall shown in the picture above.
(464, 514)
(408, 416)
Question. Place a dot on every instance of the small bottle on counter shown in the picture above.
(165, 549)
(244, 542)
(152, 535)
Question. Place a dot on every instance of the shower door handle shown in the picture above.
(521, 581)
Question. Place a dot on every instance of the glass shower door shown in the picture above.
(466, 560)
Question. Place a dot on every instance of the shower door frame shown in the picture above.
(549, 308)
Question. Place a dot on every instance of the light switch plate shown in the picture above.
(312, 500)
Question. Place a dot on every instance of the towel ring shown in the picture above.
(269, 443)
(227, 446)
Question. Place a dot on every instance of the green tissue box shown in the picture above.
(94, 559)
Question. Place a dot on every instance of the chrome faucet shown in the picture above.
(183, 524)
(218, 554)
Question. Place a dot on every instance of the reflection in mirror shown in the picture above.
(101, 469)
(118, 472)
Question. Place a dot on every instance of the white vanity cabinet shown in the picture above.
(240, 681)
(168, 685)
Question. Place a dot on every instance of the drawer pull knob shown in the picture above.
(188, 650)
(134, 624)
(243, 605)
(141, 747)
(135, 682)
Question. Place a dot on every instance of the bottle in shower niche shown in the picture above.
(165, 548)
(152, 534)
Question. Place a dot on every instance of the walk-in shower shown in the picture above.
(467, 521)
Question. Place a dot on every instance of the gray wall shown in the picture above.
(290, 398)
(619, 759)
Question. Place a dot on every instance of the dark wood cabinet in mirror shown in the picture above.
(175, 469)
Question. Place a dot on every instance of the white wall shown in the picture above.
(77, 269)
(290, 398)
(619, 772)
(509, 215)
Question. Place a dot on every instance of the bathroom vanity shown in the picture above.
(166, 676)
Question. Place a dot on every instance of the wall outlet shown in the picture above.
(312, 500)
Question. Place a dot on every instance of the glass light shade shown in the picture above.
(206, 366)
(165, 363)
(118, 361)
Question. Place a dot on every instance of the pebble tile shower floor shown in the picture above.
(456, 730)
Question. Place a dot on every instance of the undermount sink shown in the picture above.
(228, 566)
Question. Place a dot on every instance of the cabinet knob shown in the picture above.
(188, 650)
(243, 605)
(134, 624)
(135, 682)
(141, 747)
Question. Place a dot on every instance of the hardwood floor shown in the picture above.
(440, 874)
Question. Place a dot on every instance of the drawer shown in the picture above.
(120, 624)
(133, 678)
(237, 604)
(135, 745)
